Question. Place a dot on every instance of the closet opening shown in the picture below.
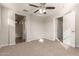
(20, 28)
(60, 28)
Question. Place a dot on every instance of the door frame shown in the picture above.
(62, 28)
(19, 13)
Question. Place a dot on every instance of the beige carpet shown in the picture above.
(35, 48)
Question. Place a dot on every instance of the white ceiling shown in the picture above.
(59, 7)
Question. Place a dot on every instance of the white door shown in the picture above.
(69, 29)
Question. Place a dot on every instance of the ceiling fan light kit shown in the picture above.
(42, 8)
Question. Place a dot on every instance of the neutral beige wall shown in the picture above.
(39, 27)
(34, 27)
(49, 28)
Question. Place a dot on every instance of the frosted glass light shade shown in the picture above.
(42, 10)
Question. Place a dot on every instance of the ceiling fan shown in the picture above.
(42, 8)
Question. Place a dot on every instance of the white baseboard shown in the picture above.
(69, 44)
(38, 39)
(4, 45)
(12, 44)
(77, 46)
(31, 40)
(51, 39)
(64, 45)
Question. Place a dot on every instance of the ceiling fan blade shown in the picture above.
(50, 7)
(36, 11)
(33, 5)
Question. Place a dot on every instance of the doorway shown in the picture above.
(60, 28)
(19, 28)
